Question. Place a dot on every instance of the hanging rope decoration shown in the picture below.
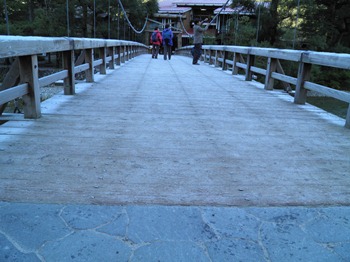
(222, 8)
(183, 26)
(127, 19)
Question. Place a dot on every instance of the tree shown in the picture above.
(331, 29)
(49, 17)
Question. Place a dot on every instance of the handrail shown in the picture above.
(244, 58)
(26, 49)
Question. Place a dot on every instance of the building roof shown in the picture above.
(240, 10)
(168, 6)
(229, 11)
(200, 2)
(182, 6)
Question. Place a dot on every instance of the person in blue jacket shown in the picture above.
(167, 36)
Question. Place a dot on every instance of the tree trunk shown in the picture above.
(274, 22)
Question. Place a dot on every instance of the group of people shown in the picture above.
(166, 38)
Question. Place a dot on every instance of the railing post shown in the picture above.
(89, 58)
(234, 65)
(133, 48)
(119, 59)
(127, 53)
(124, 56)
(210, 57)
(250, 63)
(347, 120)
(111, 51)
(224, 64)
(216, 58)
(29, 73)
(131, 52)
(204, 55)
(304, 73)
(102, 52)
(271, 67)
(68, 64)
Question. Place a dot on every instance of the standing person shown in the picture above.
(198, 39)
(156, 41)
(167, 41)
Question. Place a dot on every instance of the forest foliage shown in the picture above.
(76, 18)
(320, 25)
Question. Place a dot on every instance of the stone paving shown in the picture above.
(43, 232)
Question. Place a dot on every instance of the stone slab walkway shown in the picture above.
(42, 232)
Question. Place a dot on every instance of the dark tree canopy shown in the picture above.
(87, 18)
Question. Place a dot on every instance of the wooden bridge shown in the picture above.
(149, 131)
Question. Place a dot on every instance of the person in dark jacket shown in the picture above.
(167, 35)
(156, 41)
(198, 39)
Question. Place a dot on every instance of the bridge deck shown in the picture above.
(167, 132)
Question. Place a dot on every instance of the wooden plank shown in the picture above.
(81, 58)
(10, 80)
(103, 65)
(258, 70)
(304, 73)
(89, 59)
(98, 62)
(327, 59)
(283, 54)
(241, 65)
(68, 64)
(28, 67)
(337, 94)
(281, 71)
(184, 144)
(81, 68)
(271, 68)
(284, 78)
(111, 57)
(47, 80)
(250, 63)
(13, 93)
(11, 46)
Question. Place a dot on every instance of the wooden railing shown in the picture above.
(24, 51)
(234, 58)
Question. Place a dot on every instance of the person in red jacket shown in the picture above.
(156, 41)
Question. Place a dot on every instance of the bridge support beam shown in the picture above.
(128, 53)
(347, 120)
(271, 67)
(68, 64)
(224, 63)
(250, 63)
(124, 51)
(216, 61)
(234, 64)
(29, 73)
(103, 66)
(111, 52)
(304, 73)
(119, 55)
(89, 58)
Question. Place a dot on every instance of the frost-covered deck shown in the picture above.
(167, 132)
